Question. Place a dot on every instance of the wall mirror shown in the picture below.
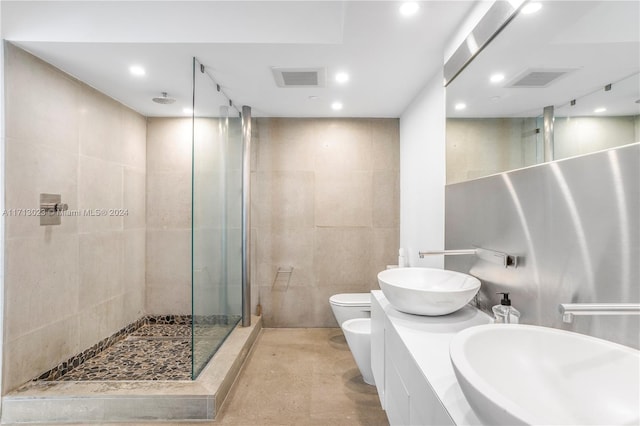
(580, 57)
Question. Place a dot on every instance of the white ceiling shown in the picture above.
(389, 57)
(600, 40)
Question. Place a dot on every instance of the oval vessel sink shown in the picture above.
(529, 375)
(427, 291)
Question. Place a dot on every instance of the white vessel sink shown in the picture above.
(427, 291)
(522, 374)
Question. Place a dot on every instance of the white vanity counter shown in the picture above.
(411, 365)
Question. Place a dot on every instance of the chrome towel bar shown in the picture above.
(569, 310)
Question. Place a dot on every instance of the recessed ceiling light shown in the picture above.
(530, 8)
(137, 70)
(342, 77)
(598, 110)
(460, 106)
(336, 106)
(496, 78)
(409, 8)
(313, 98)
(187, 110)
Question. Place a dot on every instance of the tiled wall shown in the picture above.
(169, 208)
(68, 286)
(479, 147)
(583, 135)
(168, 261)
(325, 202)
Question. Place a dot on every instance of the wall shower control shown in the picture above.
(50, 207)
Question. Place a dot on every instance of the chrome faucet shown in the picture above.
(494, 256)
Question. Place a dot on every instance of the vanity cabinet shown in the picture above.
(411, 367)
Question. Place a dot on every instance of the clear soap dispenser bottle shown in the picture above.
(504, 313)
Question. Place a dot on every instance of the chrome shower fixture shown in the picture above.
(163, 99)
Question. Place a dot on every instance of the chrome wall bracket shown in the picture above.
(51, 208)
(493, 256)
(569, 310)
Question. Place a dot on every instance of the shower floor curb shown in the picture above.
(130, 401)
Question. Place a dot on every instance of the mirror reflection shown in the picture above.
(580, 59)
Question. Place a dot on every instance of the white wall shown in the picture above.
(423, 161)
(422, 174)
(2, 168)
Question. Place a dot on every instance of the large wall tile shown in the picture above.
(386, 242)
(169, 145)
(169, 200)
(41, 281)
(101, 129)
(343, 256)
(168, 271)
(134, 139)
(168, 299)
(386, 199)
(343, 145)
(210, 199)
(208, 146)
(99, 189)
(385, 140)
(285, 250)
(134, 274)
(289, 308)
(344, 199)
(36, 352)
(97, 322)
(134, 260)
(32, 169)
(41, 102)
(101, 266)
(285, 199)
(286, 144)
(134, 198)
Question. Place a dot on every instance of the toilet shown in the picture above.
(346, 306)
(353, 313)
(357, 331)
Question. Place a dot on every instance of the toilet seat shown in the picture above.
(351, 299)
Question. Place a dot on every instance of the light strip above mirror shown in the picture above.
(496, 18)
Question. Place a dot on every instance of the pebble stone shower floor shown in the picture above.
(152, 352)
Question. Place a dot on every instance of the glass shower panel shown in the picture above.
(216, 218)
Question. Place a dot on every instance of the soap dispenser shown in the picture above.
(504, 313)
(402, 260)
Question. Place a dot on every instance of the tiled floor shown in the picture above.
(152, 352)
(299, 377)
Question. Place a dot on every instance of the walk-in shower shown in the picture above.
(131, 316)
(178, 345)
(217, 196)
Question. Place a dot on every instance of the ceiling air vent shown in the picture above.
(538, 77)
(299, 77)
